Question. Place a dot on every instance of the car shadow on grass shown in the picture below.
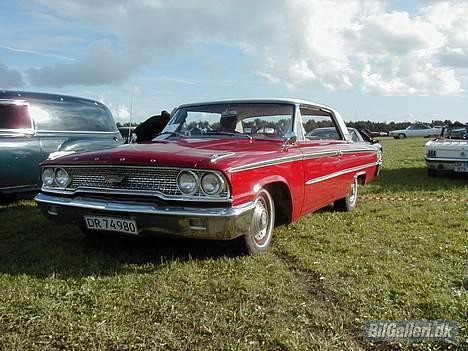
(34, 246)
(416, 179)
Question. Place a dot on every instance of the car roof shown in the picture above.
(25, 95)
(258, 101)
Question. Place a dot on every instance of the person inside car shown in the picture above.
(228, 123)
(148, 129)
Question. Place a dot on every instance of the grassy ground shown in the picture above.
(324, 275)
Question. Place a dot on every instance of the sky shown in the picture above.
(381, 60)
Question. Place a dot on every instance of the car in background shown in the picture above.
(415, 130)
(449, 151)
(253, 167)
(358, 136)
(373, 134)
(36, 126)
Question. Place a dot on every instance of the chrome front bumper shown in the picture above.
(205, 223)
(444, 164)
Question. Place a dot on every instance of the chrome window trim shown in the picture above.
(339, 173)
(19, 103)
(75, 131)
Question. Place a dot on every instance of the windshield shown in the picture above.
(256, 120)
(456, 132)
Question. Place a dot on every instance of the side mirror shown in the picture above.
(290, 139)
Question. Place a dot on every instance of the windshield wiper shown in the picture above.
(229, 133)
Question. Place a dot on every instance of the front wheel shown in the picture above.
(347, 203)
(258, 239)
(432, 172)
(401, 136)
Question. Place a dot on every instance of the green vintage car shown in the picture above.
(36, 126)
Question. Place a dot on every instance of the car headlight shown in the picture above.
(187, 181)
(62, 178)
(48, 176)
(212, 183)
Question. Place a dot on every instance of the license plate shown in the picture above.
(111, 224)
(461, 167)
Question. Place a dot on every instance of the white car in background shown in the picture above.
(449, 151)
(415, 130)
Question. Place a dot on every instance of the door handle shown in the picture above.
(339, 153)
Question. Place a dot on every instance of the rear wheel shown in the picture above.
(349, 202)
(258, 239)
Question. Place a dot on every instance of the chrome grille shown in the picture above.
(135, 179)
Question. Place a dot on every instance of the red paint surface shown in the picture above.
(197, 153)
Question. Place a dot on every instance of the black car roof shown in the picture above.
(25, 95)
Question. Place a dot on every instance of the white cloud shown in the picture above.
(340, 45)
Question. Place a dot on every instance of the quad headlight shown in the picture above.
(212, 183)
(48, 176)
(55, 177)
(62, 178)
(187, 181)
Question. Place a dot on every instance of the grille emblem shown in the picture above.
(115, 179)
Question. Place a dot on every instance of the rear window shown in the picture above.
(14, 116)
(71, 116)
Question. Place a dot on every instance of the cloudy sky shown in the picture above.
(370, 59)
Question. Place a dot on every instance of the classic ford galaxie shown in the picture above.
(219, 170)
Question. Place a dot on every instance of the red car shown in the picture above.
(219, 170)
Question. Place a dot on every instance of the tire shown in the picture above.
(432, 172)
(347, 203)
(258, 239)
(401, 136)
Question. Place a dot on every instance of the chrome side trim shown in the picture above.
(296, 158)
(266, 163)
(337, 174)
(18, 187)
(441, 159)
(134, 207)
(320, 154)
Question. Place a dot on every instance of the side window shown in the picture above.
(355, 137)
(13, 116)
(319, 125)
(72, 115)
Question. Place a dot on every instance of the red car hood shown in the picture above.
(213, 153)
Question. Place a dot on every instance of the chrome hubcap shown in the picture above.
(260, 221)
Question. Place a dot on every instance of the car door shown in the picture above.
(321, 146)
(20, 152)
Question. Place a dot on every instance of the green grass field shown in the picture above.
(324, 276)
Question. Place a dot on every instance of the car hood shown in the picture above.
(212, 153)
(448, 144)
